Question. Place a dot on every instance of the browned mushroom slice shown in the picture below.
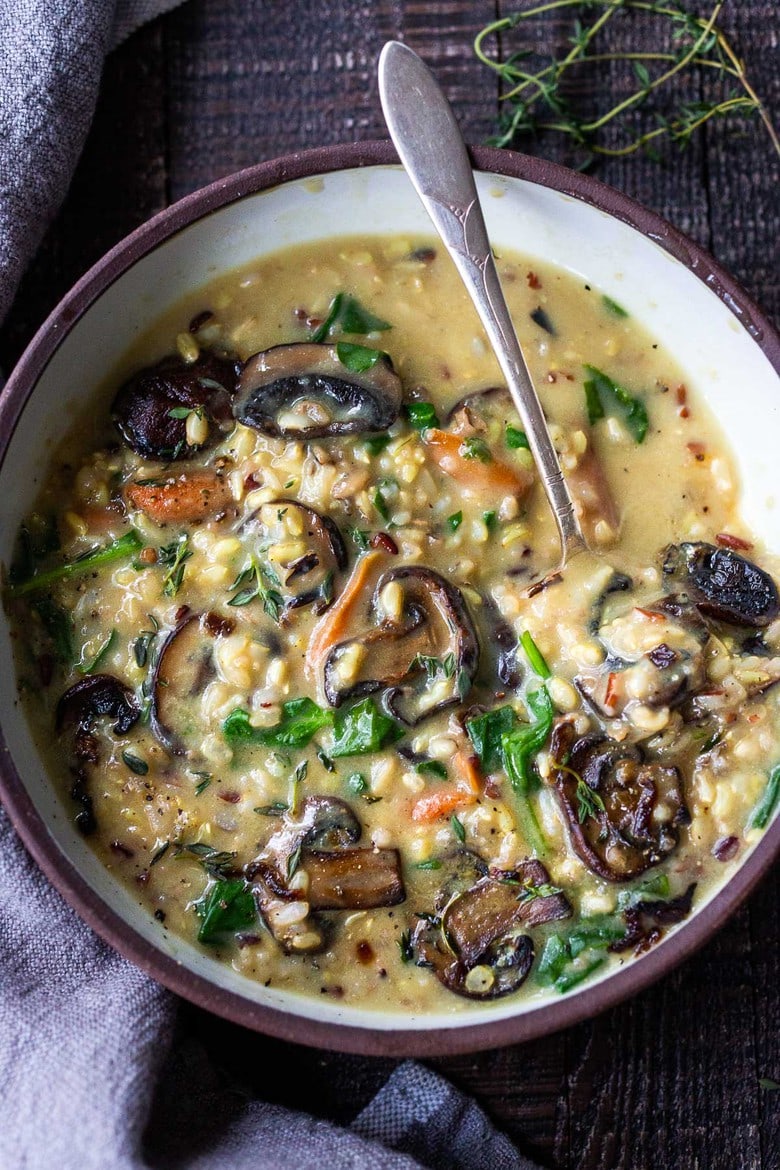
(150, 410)
(723, 585)
(303, 391)
(285, 912)
(353, 879)
(502, 967)
(306, 550)
(184, 669)
(593, 498)
(623, 814)
(483, 412)
(96, 697)
(645, 921)
(423, 651)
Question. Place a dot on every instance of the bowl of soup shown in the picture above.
(298, 710)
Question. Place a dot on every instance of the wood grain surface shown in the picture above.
(670, 1080)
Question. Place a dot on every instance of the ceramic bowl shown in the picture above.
(667, 283)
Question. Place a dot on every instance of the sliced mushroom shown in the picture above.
(95, 697)
(306, 551)
(318, 843)
(184, 669)
(424, 654)
(723, 585)
(149, 408)
(655, 659)
(498, 665)
(353, 879)
(303, 391)
(645, 921)
(623, 814)
(477, 946)
(593, 499)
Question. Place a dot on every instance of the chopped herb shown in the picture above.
(89, 667)
(454, 521)
(516, 440)
(589, 803)
(264, 587)
(421, 415)
(218, 863)
(431, 863)
(185, 411)
(294, 861)
(358, 358)
(534, 655)
(431, 768)
(560, 963)
(540, 318)
(271, 810)
(59, 628)
(301, 719)
(613, 307)
(434, 667)
(457, 828)
(768, 1083)
(174, 556)
(347, 315)
(476, 448)
(117, 550)
(135, 763)
(545, 890)
(490, 520)
(614, 399)
(405, 947)
(463, 685)
(296, 780)
(655, 887)
(357, 783)
(326, 761)
(762, 813)
(376, 444)
(143, 644)
(226, 906)
(203, 784)
(159, 853)
(362, 728)
(380, 504)
(360, 537)
(288, 484)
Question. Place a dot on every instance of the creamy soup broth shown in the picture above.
(549, 777)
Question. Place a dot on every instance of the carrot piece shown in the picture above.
(491, 479)
(334, 624)
(440, 804)
(193, 496)
(467, 771)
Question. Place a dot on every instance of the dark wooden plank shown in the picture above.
(120, 182)
(253, 79)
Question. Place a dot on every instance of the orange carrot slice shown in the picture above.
(441, 803)
(333, 626)
(189, 497)
(491, 480)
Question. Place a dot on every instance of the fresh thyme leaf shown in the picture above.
(135, 763)
(405, 947)
(264, 587)
(380, 504)
(89, 667)
(458, 828)
(216, 862)
(202, 785)
(476, 448)
(589, 803)
(534, 655)
(769, 1084)
(185, 411)
(360, 538)
(174, 556)
(294, 861)
(159, 853)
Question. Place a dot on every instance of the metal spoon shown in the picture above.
(428, 140)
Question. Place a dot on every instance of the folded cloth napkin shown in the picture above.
(93, 1073)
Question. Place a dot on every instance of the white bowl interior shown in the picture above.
(719, 357)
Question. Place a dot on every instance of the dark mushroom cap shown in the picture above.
(94, 697)
(142, 408)
(623, 814)
(309, 580)
(185, 667)
(724, 585)
(475, 411)
(435, 628)
(308, 380)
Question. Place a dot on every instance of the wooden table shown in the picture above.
(671, 1079)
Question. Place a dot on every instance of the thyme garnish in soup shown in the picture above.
(282, 630)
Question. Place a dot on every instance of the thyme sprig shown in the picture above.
(535, 99)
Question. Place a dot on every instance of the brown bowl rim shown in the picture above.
(108, 923)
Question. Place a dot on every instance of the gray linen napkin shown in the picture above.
(91, 1074)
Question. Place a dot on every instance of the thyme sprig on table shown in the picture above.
(535, 99)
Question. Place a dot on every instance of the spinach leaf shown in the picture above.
(762, 813)
(361, 729)
(347, 315)
(301, 719)
(357, 358)
(614, 399)
(226, 906)
(486, 731)
(59, 627)
(117, 550)
(421, 415)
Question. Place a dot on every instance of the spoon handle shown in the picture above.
(428, 140)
